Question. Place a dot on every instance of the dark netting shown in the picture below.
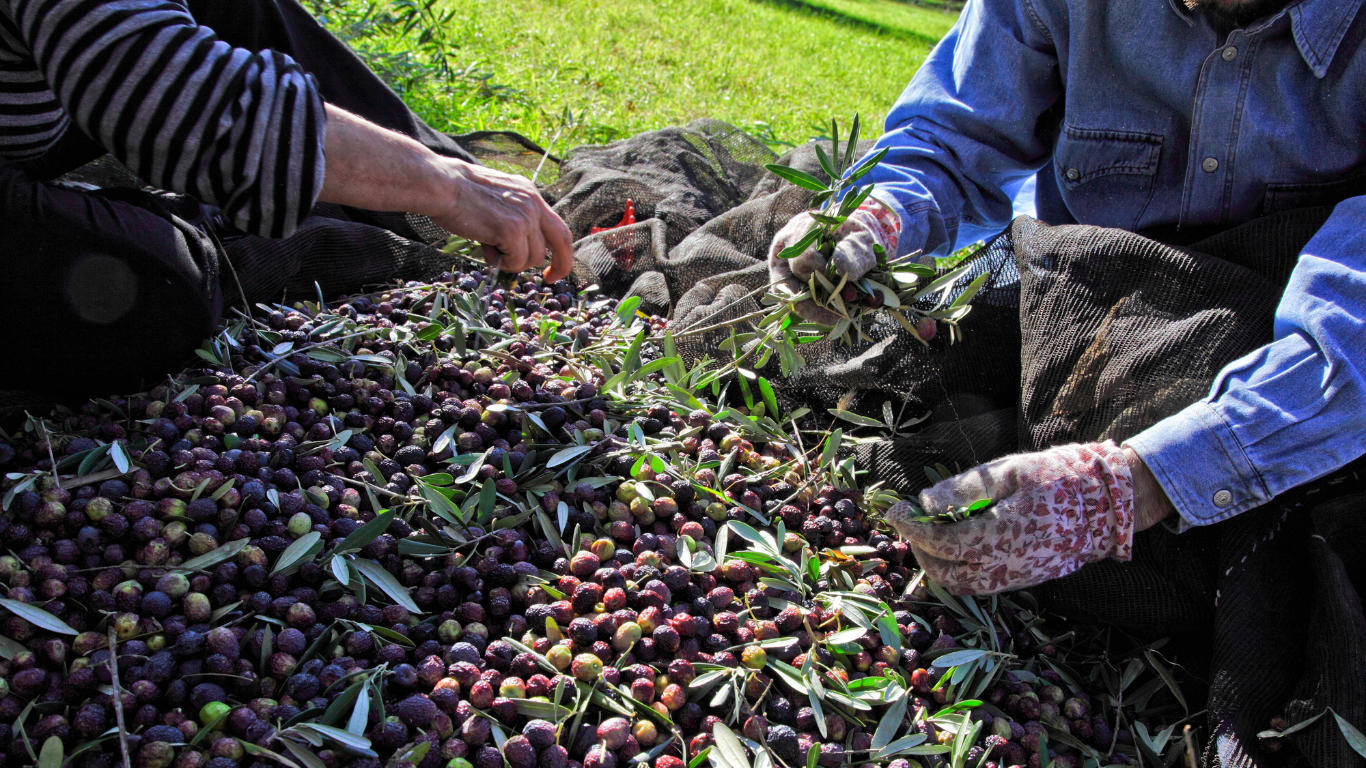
(1080, 334)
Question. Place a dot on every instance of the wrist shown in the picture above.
(444, 186)
(1151, 504)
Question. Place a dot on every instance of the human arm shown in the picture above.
(249, 133)
(1289, 412)
(375, 168)
(181, 108)
(970, 121)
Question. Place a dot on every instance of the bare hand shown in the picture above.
(508, 216)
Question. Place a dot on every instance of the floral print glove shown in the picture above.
(1054, 511)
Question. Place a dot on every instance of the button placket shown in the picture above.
(1211, 133)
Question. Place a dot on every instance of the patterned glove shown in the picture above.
(1055, 511)
(871, 223)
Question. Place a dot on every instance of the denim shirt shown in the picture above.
(1140, 114)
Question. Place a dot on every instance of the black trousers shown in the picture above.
(111, 290)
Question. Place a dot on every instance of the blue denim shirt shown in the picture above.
(1147, 115)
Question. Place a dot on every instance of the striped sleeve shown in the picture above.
(240, 130)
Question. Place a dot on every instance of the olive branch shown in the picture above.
(913, 294)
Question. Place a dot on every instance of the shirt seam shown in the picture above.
(1038, 22)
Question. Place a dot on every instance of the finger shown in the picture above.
(854, 255)
(514, 251)
(809, 310)
(561, 243)
(535, 250)
(492, 256)
(807, 263)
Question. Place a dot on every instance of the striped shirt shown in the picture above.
(185, 111)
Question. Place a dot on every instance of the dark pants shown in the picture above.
(112, 290)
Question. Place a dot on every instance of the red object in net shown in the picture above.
(628, 219)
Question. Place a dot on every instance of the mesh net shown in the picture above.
(1080, 333)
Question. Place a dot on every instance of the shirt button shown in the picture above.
(1230, 53)
(1073, 174)
(1210, 165)
(1223, 498)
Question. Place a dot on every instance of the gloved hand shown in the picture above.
(1055, 511)
(871, 223)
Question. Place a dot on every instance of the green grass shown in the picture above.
(605, 69)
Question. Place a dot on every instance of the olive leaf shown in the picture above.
(37, 616)
(377, 575)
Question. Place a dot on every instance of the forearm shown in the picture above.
(377, 169)
(380, 170)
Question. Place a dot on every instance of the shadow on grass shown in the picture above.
(840, 17)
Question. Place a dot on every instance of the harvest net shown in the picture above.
(1079, 333)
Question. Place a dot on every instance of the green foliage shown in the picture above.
(621, 68)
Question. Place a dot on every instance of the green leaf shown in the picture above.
(340, 571)
(800, 178)
(832, 447)
(835, 144)
(626, 310)
(303, 550)
(37, 616)
(852, 146)
(10, 648)
(567, 455)
(51, 756)
(429, 333)
(381, 578)
(971, 291)
(850, 416)
(92, 459)
(748, 533)
(902, 745)
(654, 365)
(357, 539)
(799, 247)
(360, 714)
(1354, 737)
(358, 744)
(413, 548)
(869, 164)
(120, 457)
(846, 636)
(959, 657)
(302, 754)
(210, 559)
(542, 710)
(891, 722)
(728, 747)
(1167, 678)
(343, 702)
(826, 165)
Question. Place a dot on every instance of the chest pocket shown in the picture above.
(1106, 177)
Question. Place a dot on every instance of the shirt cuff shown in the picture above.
(1201, 465)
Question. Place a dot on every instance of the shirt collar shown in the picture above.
(1318, 27)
